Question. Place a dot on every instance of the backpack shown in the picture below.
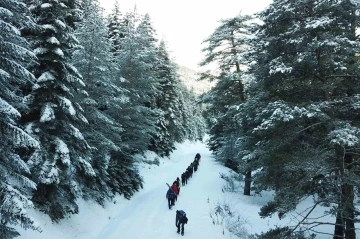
(182, 216)
(182, 213)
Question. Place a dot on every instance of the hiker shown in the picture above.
(170, 196)
(178, 183)
(186, 174)
(196, 164)
(180, 220)
(189, 170)
(175, 189)
(197, 157)
(183, 179)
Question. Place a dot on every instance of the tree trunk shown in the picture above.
(348, 192)
(345, 216)
(247, 183)
(339, 227)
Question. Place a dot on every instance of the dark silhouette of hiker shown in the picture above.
(180, 220)
(170, 196)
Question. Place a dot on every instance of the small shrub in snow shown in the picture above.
(223, 214)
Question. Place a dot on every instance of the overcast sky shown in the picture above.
(184, 24)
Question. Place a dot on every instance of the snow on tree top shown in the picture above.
(52, 176)
(46, 76)
(58, 52)
(48, 27)
(67, 103)
(60, 23)
(53, 40)
(40, 50)
(47, 113)
(62, 152)
(46, 5)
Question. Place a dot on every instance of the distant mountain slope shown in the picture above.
(189, 78)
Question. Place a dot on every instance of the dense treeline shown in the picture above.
(81, 94)
(285, 111)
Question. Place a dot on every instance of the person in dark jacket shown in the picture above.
(186, 174)
(196, 164)
(197, 157)
(183, 179)
(170, 196)
(180, 220)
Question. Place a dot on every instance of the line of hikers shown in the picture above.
(192, 168)
(174, 191)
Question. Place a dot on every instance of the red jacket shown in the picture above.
(175, 188)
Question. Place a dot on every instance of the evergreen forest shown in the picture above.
(83, 92)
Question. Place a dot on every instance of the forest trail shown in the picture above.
(146, 215)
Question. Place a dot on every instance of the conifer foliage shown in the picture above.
(63, 161)
(81, 95)
(298, 129)
(15, 143)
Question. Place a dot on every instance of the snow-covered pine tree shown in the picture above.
(105, 100)
(115, 27)
(308, 115)
(62, 165)
(191, 114)
(170, 128)
(227, 48)
(15, 144)
(136, 61)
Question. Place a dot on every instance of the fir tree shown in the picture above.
(102, 106)
(62, 165)
(115, 32)
(307, 118)
(15, 144)
(136, 60)
(170, 128)
(228, 48)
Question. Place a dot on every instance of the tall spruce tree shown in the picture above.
(136, 60)
(227, 48)
(15, 144)
(103, 106)
(62, 165)
(170, 128)
(115, 26)
(307, 114)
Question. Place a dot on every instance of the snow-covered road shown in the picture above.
(146, 215)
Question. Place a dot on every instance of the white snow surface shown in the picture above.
(146, 215)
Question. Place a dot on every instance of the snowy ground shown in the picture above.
(146, 215)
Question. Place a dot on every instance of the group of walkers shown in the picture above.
(174, 191)
(192, 168)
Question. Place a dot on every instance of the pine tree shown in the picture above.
(116, 32)
(15, 144)
(62, 165)
(307, 115)
(136, 60)
(169, 126)
(103, 106)
(228, 48)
